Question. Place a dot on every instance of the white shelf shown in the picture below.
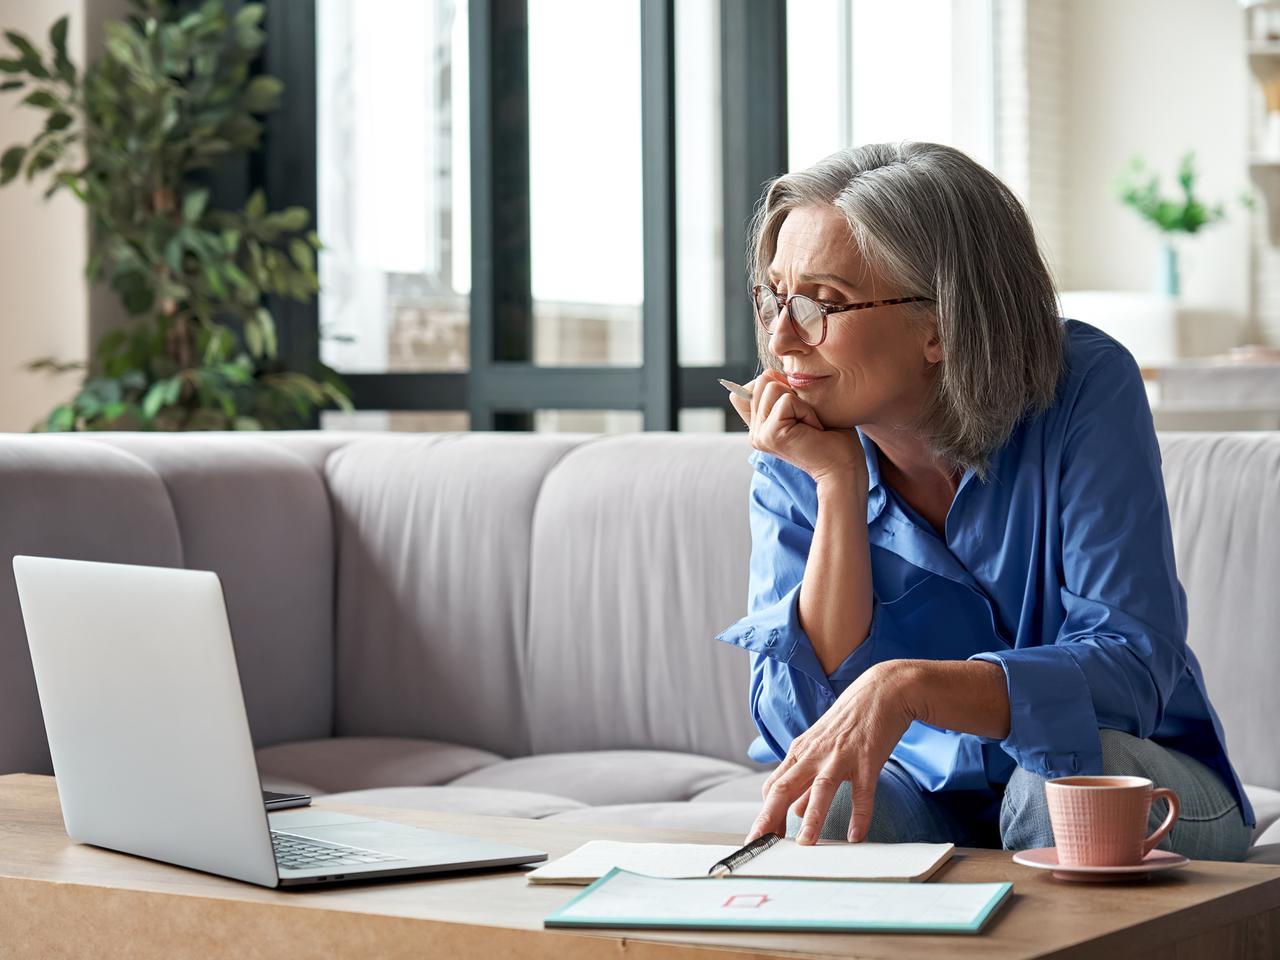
(1262, 20)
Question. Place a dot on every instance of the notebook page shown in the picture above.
(596, 858)
(847, 861)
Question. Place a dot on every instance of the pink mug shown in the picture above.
(1102, 821)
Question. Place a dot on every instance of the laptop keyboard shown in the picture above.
(299, 853)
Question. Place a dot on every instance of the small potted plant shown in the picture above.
(1139, 189)
(129, 135)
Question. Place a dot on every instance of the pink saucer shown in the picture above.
(1046, 858)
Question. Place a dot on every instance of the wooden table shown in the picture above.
(60, 899)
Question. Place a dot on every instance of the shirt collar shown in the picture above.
(875, 491)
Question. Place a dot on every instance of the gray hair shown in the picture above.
(937, 224)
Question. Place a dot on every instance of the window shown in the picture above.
(863, 71)
(534, 213)
(585, 182)
(394, 206)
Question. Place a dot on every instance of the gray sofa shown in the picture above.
(522, 625)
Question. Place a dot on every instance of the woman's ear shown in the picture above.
(933, 348)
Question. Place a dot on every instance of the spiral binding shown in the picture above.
(749, 852)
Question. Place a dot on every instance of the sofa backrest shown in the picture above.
(640, 553)
(252, 509)
(1224, 498)
(433, 541)
(530, 593)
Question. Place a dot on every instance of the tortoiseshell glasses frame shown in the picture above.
(803, 312)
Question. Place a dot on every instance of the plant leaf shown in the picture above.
(62, 63)
(23, 45)
(302, 255)
(262, 95)
(268, 325)
(61, 419)
(253, 338)
(42, 98)
(11, 163)
(250, 15)
(193, 206)
(153, 400)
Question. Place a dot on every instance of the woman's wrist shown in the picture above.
(968, 696)
(909, 682)
(847, 484)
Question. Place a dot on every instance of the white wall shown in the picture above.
(43, 295)
(1156, 77)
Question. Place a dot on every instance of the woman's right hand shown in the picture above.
(787, 427)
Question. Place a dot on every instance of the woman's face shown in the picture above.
(875, 367)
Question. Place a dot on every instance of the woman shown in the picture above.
(962, 571)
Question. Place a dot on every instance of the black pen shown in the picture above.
(736, 859)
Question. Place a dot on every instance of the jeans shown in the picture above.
(1211, 826)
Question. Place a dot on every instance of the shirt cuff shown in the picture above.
(775, 632)
(1053, 730)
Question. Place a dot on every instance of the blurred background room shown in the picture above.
(531, 214)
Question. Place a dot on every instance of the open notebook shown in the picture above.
(786, 859)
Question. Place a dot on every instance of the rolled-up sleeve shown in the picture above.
(1121, 648)
(789, 688)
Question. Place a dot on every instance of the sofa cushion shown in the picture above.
(66, 497)
(475, 800)
(1266, 807)
(608, 776)
(258, 516)
(1264, 853)
(721, 818)
(361, 763)
(640, 551)
(739, 790)
(433, 584)
(1224, 503)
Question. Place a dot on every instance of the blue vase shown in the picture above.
(1167, 280)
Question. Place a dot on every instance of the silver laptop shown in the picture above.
(150, 741)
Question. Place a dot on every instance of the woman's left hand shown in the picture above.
(851, 741)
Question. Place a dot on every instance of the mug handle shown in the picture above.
(1174, 809)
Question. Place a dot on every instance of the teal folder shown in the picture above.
(630, 900)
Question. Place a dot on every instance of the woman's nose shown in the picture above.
(784, 338)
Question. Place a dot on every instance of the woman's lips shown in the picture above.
(797, 380)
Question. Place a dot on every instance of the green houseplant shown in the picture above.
(170, 96)
(1139, 189)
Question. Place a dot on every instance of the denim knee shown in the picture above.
(1024, 813)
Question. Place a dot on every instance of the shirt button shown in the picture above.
(749, 634)
(773, 638)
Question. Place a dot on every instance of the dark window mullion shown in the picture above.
(501, 301)
(753, 76)
(286, 165)
(658, 147)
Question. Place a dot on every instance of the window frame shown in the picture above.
(503, 387)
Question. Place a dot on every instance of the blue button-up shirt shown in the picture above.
(1058, 566)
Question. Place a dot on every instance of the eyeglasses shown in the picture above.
(809, 316)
